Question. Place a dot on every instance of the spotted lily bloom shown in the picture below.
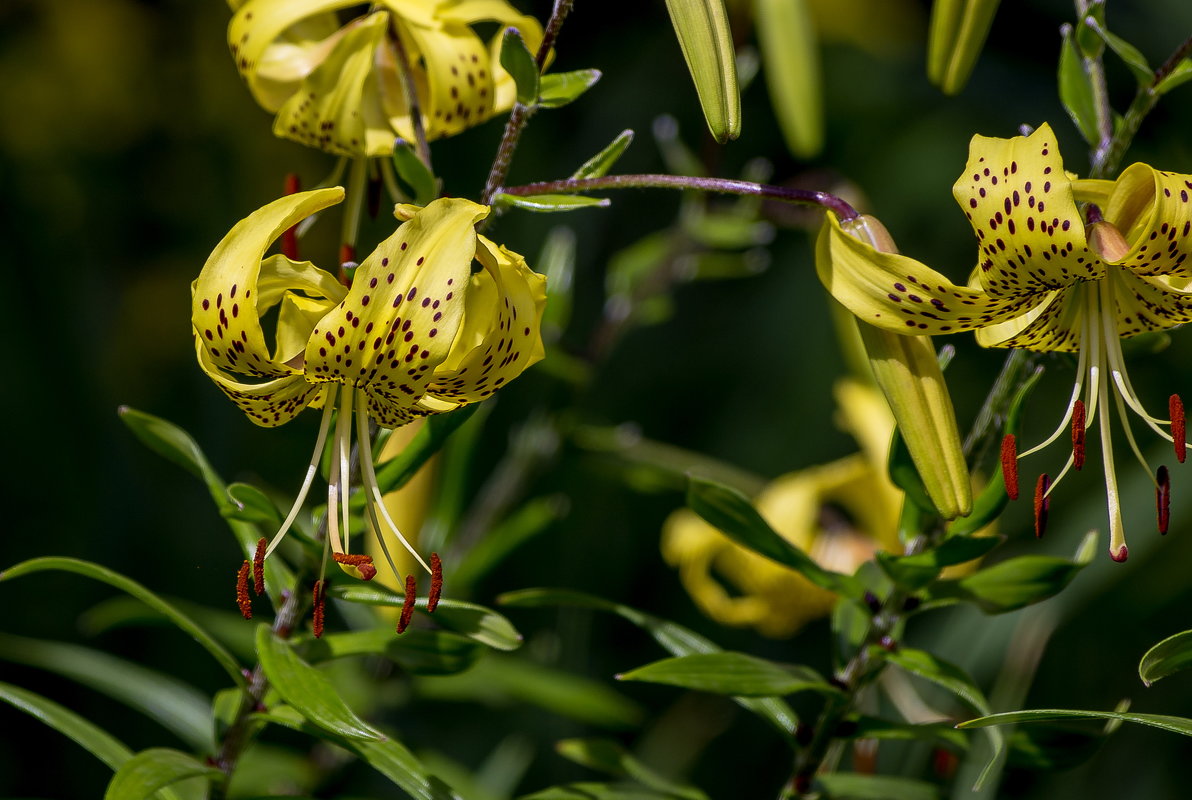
(417, 333)
(1048, 278)
(339, 86)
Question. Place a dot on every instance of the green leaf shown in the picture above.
(1076, 90)
(610, 756)
(707, 44)
(168, 440)
(675, 639)
(419, 652)
(1166, 658)
(599, 164)
(853, 786)
(250, 504)
(175, 705)
(560, 88)
(308, 690)
(467, 619)
(414, 173)
(397, 471)
(915, 572)
(153, 769)
(1162, 721)
(790, 51)
(1181, 74)
(1011, 584)
(730, 673)
(131, 587)
(389, 756)
(1128, 53)
(731, 512)
(596, 791)
(876, 728)
(519, 62)
(83, 732)
(550, 203)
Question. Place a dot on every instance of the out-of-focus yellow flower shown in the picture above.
(340, 88)
(839, 513)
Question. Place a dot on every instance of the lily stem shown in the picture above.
(521, 113)
(1144, 100)
(824, 200)
(241, 731)
(421, 145)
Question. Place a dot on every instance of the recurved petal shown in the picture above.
(466, 12)
(225, 304)
(1150, 303)
(259, 25)
(501, 331)
(1019, 201)
(458, 76)
(1053, 324)
(403, 311)
(338, 107)
(897, 293)
(1153, 210)
(267, 404)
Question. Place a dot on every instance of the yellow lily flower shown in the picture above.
(417, 333)
(1047, 280)
(801, 507)
(340, 88)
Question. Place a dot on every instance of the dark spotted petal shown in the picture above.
(1153, 210)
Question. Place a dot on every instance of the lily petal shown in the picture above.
(403, 312)
(457, 90)
(1019, 201)
(1150, 303)
(1153, 210)
(338, 106)
(467, 12)
(268, 404)
(1052, 325)
(897, 293)
(501, 335)
(226, 306)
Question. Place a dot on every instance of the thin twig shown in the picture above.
(521, 113)
(719, 185)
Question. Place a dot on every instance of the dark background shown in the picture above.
(129, 146)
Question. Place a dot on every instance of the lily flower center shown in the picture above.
(1102, 387)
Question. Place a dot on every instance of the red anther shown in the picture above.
(242, 598)
(258, 567)
(1163, 499)
(1178, 429)
(359, 561)
(347, 255)
(319, 598)
(289, 239)
(1042, 504)
(1120, 555)
(1078, 434)
(436, 583)
(865, 756)
(1010, 465)
(407, 608)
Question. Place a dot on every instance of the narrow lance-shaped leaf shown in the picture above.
(414, 173)
(707, 44)
(729, 511)
(1168, 657)
(153, 769)
(675, 639)
(730, 673)
(131, 587)
(1076, 89)
(790, 52)
(599, 164)
(308, 690)
(519, 62)
(1181, 725)
(471, 620)
(549, 203)
(561, 88)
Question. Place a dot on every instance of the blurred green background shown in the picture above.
(129, 146)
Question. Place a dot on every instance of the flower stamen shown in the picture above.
(1176, 408)
(242, 599)
(258, 568)
(407, 608)
(1010, 465)
(319, 599)
(311, 470)
(362, 563)
(1078, 428)
(436, 583)
(1042, 504)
